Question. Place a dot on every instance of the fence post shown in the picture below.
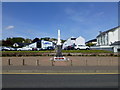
(37, 62)
(52, 63)
(9, 63)
(71, 62)
(23, 62)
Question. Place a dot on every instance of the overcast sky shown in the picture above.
(43, 19)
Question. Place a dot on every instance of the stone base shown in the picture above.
(59, 59)
(64, 63)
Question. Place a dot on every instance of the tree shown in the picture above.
(62, 41)
(0, 42)
(46, 38)
(27, 40)
(6, 43)
(35, 40)
(11, 41)
(18, 40)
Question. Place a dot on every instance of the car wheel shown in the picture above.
(78, 48)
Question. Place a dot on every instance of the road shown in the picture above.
(60, 81)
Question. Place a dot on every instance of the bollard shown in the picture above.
(97, 62)
(9, 63)
(71, 62)
(23, 62)
(52, 63)
(37, 62)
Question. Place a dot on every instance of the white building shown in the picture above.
(74, 41)
(41, 44)
(45, 44)
(108, 37)
(80, 41)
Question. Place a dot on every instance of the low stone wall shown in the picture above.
(74, 61)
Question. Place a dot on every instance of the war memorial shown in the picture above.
(59, 56)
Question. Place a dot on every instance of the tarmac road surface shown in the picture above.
(59, 81)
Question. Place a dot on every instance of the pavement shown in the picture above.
(59, 69)
(59, 81)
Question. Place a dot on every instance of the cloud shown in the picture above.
(99, 14)
(10, 27)
(69, 11)
(77, 15)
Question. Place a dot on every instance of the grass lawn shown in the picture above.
(86, 51)
(45, 51)
(64, 51)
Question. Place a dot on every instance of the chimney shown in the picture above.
(100, 32)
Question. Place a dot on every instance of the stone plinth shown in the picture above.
(62, 63)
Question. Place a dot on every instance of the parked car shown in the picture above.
(69, 48)
(50, 48)
(81, 47)
(24, 49)
(40, 49)
(34, 49)
(7, 49)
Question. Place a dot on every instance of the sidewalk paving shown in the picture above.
(59, 69)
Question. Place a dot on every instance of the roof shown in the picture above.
(93, 40)
(110, 30)
(116, 43)
(23, 44)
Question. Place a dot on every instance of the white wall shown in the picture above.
(113, 36)
(119, 34)
(33, 45)
(80, 41)
(68, 42)
(109, 37)
(46, 44)
(64, 45)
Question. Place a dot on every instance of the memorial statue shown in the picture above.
(59, 56)
(59, 46)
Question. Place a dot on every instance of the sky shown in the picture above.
(43, 19)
